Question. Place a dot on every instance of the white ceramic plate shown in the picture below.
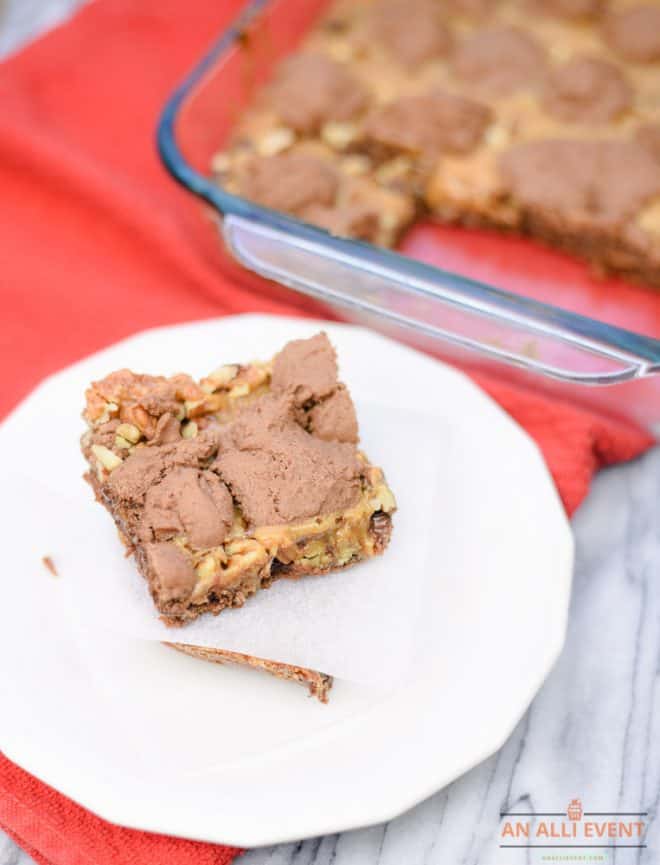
(157, 741)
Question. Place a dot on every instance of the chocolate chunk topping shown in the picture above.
(334, 419)
(307, 368)
(499, 60)
(430, 123)
(146, 466)
(311, 89)
(471, 8)
(168, 430)
(290, 182)
(174, 571)
(347, 219)
(635, 33)
(412, 32)
(380, 526)
(276, 469)
(601, 183)
(192, 502)
(278, 472)
(290, 454)
(587, 90)
(572, 8)
(162, 400)
(648, 136)
(104, 434)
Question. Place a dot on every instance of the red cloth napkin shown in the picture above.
(56, 831)
(96, 242)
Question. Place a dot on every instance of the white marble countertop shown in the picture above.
(592, 731)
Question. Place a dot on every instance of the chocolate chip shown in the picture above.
(380, 526)
(278, 568)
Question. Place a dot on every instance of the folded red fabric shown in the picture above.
(56, 831)
(96, 242)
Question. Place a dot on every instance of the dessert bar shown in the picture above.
(540, 117)
(223, 486)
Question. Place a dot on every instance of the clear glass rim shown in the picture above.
(643, 348)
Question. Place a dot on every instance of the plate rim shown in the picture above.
(110, 807)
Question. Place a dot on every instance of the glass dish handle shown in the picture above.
(444, 306)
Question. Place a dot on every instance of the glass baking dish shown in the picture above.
(548, 323)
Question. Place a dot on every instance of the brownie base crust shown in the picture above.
(318, 684)
(606, 253)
